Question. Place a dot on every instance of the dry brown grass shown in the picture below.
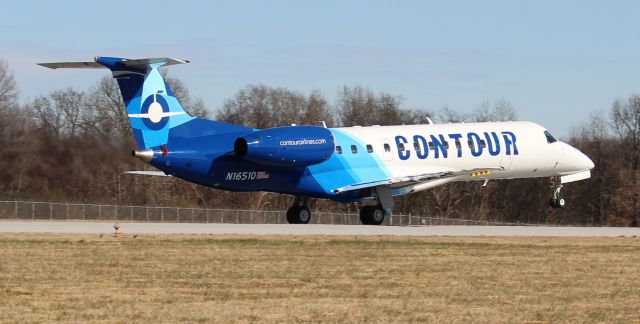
(82, 278)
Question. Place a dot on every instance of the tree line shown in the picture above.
(72, 145)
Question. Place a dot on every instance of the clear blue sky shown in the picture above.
(555, 61)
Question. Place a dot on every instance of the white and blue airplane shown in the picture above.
(348, 164)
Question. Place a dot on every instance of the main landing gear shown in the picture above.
(299, 213)
(374, 215)
(557, 201)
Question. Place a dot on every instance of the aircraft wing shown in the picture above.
(417, 179)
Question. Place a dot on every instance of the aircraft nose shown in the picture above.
(582, 162)
(588, 163)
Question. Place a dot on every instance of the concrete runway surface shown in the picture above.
(285, 229)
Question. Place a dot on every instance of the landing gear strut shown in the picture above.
(557, 201)
(299, 213)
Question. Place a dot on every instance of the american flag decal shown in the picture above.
(262, 175)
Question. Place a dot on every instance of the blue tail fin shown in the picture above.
(155, 114)
(151, 105)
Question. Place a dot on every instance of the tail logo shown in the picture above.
(155, 112)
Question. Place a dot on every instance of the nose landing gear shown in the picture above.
(557, 201)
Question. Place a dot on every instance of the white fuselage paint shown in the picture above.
(535, 157)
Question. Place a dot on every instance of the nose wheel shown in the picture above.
(557, 201)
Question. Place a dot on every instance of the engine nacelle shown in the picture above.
(291, 146)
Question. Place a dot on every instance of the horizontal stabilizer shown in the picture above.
(149, 173)
(166, 60)
(73, 65)
(113, 62)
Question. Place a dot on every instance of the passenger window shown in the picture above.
(483, 143)
(387, 148)
(354, 149)
(339, 149)
(471, 146)
(550, 138)
(369, 148)
(446, 145)
(416, 146)
(458, 145)
(401, 147)
(431, 147)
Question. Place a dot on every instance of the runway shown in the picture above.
(277, 229)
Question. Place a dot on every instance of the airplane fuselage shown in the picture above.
(494, 150)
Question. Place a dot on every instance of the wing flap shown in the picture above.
(417, 179)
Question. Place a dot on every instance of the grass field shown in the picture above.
(83, 278)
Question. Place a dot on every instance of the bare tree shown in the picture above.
(625, 117)
(449, 115)
(501, 110)
(260, 106)
(361, 106)
(8, 88)
(106, 116)
(69, 103)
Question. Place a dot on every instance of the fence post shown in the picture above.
(131, 213)
(33, 210)
(99, 212)
(177, 215)
(147, 213)
(237, 217)
(67, 211)
(50, 211)
(16, 209)
(193, 215)
(161, 215)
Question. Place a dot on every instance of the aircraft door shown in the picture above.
(506, 161)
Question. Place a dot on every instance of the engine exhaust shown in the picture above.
(144, 155)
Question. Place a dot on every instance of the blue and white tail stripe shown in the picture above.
(154, 110)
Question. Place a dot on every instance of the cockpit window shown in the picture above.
(550, 138)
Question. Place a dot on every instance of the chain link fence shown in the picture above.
(36, 210)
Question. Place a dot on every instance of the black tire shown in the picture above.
(553, 203)
(298, 215)
(292, 213)
(371, 215)
(365, 213)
